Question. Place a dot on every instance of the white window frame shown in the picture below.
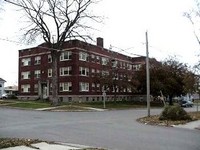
(97, 71)
(65, 71)
(66, 55)
(137, 67)
(83, 87)
(104, 60)
(93, 70)
(98, 59)
(37, 60)
(25, 88)
(98, 86)
(65, 87)
(129, 66)
(37, 73)
(83, 56)
(49, 72)
(26, 75)
(93, 87)
(114, 63)
(26, 61)
(83, 71)
(49, 58)
(92, 56)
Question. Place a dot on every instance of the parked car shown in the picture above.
(186, 103)
(4, 96)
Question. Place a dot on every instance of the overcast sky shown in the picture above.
(125, 25)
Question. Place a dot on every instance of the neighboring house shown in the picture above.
(11, 90)
(78, 66)
(2, 81)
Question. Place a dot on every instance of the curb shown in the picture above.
(198, 128)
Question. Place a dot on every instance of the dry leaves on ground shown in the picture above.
(154, 120)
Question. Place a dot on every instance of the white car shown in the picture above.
(186, 103)
(4, 96)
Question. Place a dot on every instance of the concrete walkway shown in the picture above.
(81, 109)
(190, 125)
(47, 146)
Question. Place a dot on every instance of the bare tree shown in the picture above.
(193, 16)
(57, 21)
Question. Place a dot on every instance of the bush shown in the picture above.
(175, 112)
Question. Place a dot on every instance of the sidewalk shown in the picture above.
(190, 125)
(47, 146)
(85, 108)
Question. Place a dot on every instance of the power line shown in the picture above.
(11, 41)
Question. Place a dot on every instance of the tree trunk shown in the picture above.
(170, 100)
(55, 58)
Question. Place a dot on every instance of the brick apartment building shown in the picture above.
(78, 67)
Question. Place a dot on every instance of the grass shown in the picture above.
(77, 106)
(27, 104)
(3, 102)
(70, 108)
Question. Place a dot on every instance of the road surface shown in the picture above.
(115, 130)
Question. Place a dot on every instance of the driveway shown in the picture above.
(115, 130)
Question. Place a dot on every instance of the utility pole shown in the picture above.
(147, 75)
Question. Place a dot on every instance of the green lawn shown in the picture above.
(29, 104)
(77, 106)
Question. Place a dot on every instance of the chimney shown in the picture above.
(100, 42)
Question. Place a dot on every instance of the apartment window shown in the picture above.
(37, 60)
(114, 63)
(121, 64)
(115, 89)
(26, 75)
(83, 71)
(37, 73)
(104, 61)
(98, 59)
(84, 87)
(25, 88)
(83, 56)
(98, 87)
(49, 72)
(36, 88)
(49, 59)
(93, 87)
(105, 73)
(65, 87)
(92, 58)
(136, 67)
(116, 76)
(124, 89)
(98, 71)
(65, 71)
(26, 62)
(93, 70)
(129, 90)
(67, 55)
(129, 66)
(50, 87)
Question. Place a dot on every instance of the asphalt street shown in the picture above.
(115, 130)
